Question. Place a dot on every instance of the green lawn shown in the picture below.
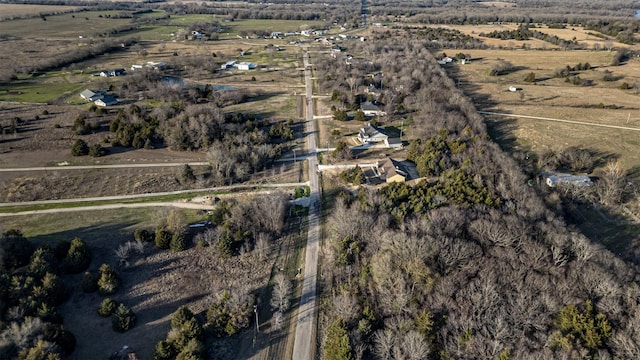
(37, 90)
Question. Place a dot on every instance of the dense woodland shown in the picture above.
(470, 264)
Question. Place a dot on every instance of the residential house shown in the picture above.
(555, 179)
(371, 109)
(107, 100)
(371, 134)
(391, 170)
(245, 66)
(228, 65)
(92, 95)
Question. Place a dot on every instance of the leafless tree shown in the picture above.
(610, 187)
(384, 341)
(281, 295)
(414, 346)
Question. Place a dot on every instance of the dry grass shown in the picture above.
(9, 11)
(157, 282)
(554, 98)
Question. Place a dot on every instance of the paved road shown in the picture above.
(304, 342)
(560, 120)
(114, 166)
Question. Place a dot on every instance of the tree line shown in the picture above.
(470, 263)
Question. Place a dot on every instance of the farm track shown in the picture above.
(559, 120)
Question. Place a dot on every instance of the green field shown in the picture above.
(37, 90)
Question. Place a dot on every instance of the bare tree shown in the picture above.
(281, 295)
(611, 185)
(415, 347)
(384, 341)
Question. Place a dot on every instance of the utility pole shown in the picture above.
(255, 310)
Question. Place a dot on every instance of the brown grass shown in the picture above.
(17, 10)
(157, 282)
(554, 98)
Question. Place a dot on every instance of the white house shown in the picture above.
(245, 66)
(107, 100)
(92, 95)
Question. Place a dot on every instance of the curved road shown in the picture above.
(304, 341)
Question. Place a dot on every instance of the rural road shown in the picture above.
(114, 166)
(559, 120)
(304, 341)
(134, 196)
(184, 205)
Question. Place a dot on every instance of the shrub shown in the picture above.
(624, 86)
(78, 257)
(89, 283)
(142, 235)
(182, 315)
(80, 148)
(178, 243)
(108, 281)
(163, 238)
(97, 150)
(107, 307)
(164, 351)
(123, 319)
(531, 77)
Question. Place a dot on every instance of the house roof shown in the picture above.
(368, 106)
(390, 167)
(87, 93)
(372, 133)
(106, 101)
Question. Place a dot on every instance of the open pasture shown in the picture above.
(598, 101)
(10, 11)
(63, 26)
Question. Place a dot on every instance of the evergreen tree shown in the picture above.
(107, 307)
(108, 281)
(78, 257)
(123, 319)
(337, 346)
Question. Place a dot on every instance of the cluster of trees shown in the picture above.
(570, 70)
(523, 32)
(81, 148)
(245, 225)
(231, 313)
(185, 340)
(472, 264)
(122, 317)
(31, 291)
(354, 176)
(446, 38)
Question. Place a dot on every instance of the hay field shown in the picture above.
(9, 11)
(601, 102)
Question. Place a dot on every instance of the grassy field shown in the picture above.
(8, 11)
(43, 90)
(64, 26)
(600, 102)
